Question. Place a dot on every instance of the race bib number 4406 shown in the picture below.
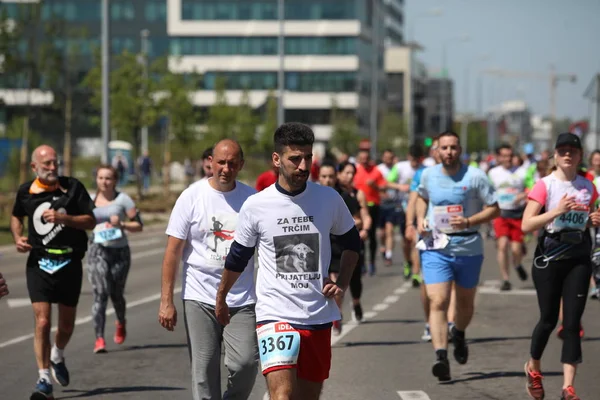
(574, 219)
(278, 345)
(442, 216)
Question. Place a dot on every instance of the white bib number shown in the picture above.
(52, 266)
(106, 232)
(278, 344)
(442, 216)
(507, 198)
(574, 219)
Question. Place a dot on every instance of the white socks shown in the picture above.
(388, 254)
(45, 374)
(56, 355)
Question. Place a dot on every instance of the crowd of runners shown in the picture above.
(266, 268)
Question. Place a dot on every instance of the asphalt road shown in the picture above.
(383, 358)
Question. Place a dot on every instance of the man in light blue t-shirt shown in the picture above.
(453, 200)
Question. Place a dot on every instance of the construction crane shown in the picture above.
(552, 78)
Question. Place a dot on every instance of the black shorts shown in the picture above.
(393, 214)
(63, 287)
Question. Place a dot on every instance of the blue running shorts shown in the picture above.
(439, 267)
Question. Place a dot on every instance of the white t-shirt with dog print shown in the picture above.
(207, 218)
(294, 251)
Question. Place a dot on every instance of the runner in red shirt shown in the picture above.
(369, 180)
(267, 178)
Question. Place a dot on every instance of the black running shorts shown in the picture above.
(63, 287)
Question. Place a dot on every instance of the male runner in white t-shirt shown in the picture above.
(290, 223)
(201, 229)
(509, 183)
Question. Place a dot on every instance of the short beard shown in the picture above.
(47, 177)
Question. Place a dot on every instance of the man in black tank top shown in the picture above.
(58, 210)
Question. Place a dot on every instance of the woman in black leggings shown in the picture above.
(562, 262)
(345, 179)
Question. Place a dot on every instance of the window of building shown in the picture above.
(267, 9)
(156, 10)
(122, 10)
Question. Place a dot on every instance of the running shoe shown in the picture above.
(120, 333)
(42, 391)
(534, 385)
(594, 293)
(416, 280)
(521, 272)
(337, 327)
(461, 350)
(441, 370)
(60, 373)
(506, 285)
(407, 271)
(426, 337)
(358, 313)
(371, 269)
(387, 262)
(100, 346)
(569, 394)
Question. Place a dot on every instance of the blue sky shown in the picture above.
(520, 35)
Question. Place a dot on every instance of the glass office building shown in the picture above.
(329, 46)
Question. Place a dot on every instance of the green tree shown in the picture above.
(221, 116)
(61, 68)
(132, 102)
(19, 46)
(393, 134)
(269, 125)
(15, 131)
(344, 135)
(246, 124)
(476, 135)
(175, 105)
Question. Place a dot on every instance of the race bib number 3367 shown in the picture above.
(278, 345)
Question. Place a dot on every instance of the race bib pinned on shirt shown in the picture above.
(278, 344)
(106, 232)
(51, 265)
(443, 214)
(507, 198)
(574, 219)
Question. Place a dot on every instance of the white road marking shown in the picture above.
(19, 302)
(85, 320)
(369, 314)
(147, 253)
(380, 307)
(492, 282)
(400, 290)
(514, 292)
(391, 299)
(413, 395)
(144, 242)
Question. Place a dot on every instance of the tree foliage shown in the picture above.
(221, 116)
(345, 134)
(393, 134)
(269, 125)
(246, 124)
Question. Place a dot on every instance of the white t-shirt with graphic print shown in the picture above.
(207, 219)
(294, 251)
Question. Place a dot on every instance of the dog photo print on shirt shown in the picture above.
(297, 253)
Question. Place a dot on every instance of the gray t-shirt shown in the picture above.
(119, 206)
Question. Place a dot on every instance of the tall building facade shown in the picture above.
(333, 48)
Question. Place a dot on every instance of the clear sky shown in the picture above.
(519, 35)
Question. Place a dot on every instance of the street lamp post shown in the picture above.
(281, 73)
(105, 79)
(144, 34)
